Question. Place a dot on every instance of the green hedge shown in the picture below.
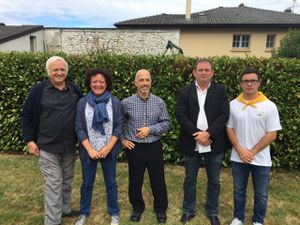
(19, 71)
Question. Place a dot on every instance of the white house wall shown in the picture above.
(23, 43)
(109, 40)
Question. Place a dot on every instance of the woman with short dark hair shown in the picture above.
(98, 127)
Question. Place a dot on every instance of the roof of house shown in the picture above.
(80, 28)
(8, 33)
(217, 17)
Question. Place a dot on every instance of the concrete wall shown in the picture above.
(109, 40)
(209, 42)
(23, 43)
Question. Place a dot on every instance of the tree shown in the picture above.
(289, 45)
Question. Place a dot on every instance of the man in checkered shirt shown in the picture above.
(145, 120)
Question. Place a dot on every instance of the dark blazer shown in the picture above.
(216, 108)
(31, 112)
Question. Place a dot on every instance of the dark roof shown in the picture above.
(8, 33)
(80, 28)
(222, 16)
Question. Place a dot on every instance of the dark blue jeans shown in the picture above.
(213, 165)
(260, 180)
(89, 168)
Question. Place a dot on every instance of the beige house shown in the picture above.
(234, 42)
(233, 31)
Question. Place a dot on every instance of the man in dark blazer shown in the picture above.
(202, 112)
(48, 125)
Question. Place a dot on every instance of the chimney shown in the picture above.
(188, 9)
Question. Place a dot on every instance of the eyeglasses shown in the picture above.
(249, 81)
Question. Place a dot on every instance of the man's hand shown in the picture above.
(143, 132)
(246, 155)
(202, 137)
(33, 148)
(128, 144)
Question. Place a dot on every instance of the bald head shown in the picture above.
(142, 82)
(142, 72)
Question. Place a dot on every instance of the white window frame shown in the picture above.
(241, 41)
(270, 44)
(33, 46)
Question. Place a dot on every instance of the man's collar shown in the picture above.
(49, 85)
(144, 99)
(198, 87)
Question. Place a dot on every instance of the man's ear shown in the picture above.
(193, 72)
(134, 82)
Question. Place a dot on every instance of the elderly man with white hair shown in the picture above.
(47, 122)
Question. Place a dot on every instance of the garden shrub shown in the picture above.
(19, 71)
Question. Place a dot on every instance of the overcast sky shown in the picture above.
(103, 13)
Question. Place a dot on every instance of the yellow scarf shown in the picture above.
(260, 98)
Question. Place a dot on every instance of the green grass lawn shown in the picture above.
(21, 195)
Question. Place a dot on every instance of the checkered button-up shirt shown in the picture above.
(151, 112)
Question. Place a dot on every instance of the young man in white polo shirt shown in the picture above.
(252, 127)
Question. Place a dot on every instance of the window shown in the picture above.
(241, 41)
(33, 43)
(270, 43)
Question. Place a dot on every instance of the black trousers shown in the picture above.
(150, 156)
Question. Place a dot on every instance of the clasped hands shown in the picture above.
(99, 154)
(247, 155)
(202, 137)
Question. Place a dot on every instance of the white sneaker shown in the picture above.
(256, 223)
(115, 220)
(81, 220)
(236, 221)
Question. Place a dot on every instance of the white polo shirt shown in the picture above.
(250, 125)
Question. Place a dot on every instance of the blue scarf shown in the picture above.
(100, 111)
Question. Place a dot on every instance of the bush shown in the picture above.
(289, 45)
(19, 71)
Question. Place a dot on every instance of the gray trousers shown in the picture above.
(58, 171)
